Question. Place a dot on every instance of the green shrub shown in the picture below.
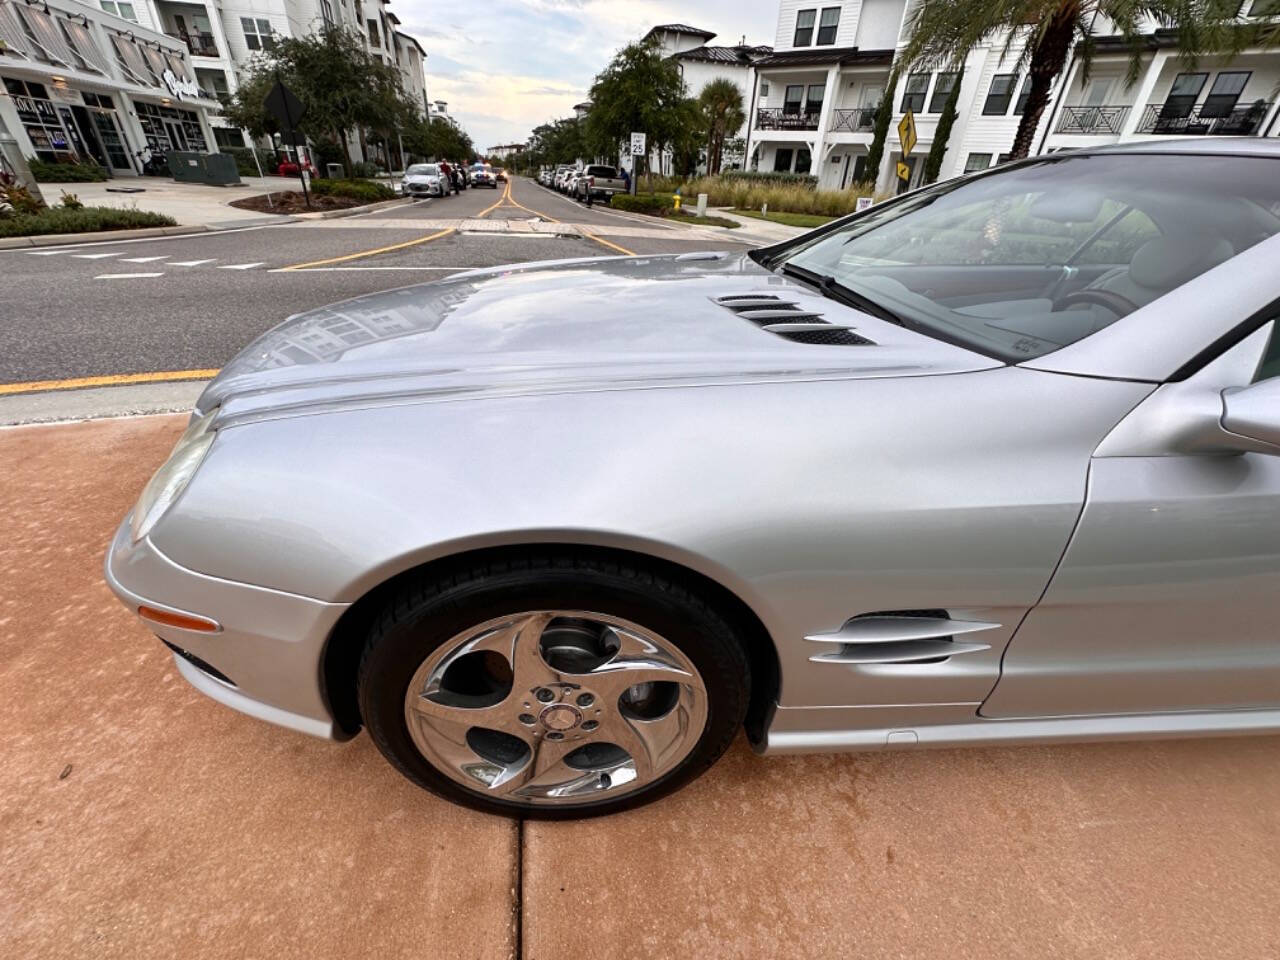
(84, 220)
(364, 190)
(66, 172)
(15, 199)
(789, 197)
(71, 202)
(244, 160)
(641, 202)
(769, 176)
(365, 170)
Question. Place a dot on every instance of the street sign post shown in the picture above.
(637, 150)
(907, 137)
(288, 110)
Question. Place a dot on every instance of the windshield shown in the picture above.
(1025, 260)
(422, 170)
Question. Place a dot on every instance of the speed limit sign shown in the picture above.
(637, 145)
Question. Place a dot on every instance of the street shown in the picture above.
(173, 305)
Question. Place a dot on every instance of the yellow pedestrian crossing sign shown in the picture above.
(904, 172)
(907, 132)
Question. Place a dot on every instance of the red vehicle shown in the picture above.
(289, 168)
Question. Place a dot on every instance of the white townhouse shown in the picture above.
(700, 62)
(83, 83)
(815, 97)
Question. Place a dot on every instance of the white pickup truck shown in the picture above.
(599, 183)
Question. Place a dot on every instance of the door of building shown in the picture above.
(80, 120)
(176, 136)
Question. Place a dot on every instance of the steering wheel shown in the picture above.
(1115, 302)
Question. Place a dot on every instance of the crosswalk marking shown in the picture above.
(242, 266)
(125, 276)
(96, 256)
(141, 259)
(190, 263)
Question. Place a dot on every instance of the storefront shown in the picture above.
(82, 85)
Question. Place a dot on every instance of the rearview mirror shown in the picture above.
(1252, 414)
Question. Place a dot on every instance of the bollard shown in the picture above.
(702, 204)
(764, 210)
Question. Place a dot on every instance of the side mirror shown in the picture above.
(1252, 416)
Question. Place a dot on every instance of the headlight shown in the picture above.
(170, 480)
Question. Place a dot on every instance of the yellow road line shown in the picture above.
(109, 380)
(366, 253)
(585, 233)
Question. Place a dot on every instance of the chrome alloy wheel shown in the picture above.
(556, 706)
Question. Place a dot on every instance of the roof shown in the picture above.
(414, 41)
(845, 56)
(584, 105)
(680, 28)
(738, 55)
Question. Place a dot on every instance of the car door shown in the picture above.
(1167, 596)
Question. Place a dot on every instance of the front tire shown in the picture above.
(552, 688)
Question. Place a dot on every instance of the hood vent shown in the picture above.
(787, 319)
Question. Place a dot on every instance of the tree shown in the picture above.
(639, 90)
(560, 141)
(720, 103)
(880, 130)
(942, 133)
(945, 30)
(342, 86)
(437, 139)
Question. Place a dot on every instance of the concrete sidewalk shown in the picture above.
(190, 204)
(142, 820)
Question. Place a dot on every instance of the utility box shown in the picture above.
(333, 171)
(215, 169)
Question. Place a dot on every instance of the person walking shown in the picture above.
(446, 171)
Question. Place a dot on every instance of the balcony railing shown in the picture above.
(781, 118)
(1096, 120)
(857, 120)
(1241, 121)
(200, 44)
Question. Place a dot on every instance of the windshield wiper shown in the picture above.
(835, 290)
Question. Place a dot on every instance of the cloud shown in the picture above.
(528, 61)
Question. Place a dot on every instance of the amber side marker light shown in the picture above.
(186, 621)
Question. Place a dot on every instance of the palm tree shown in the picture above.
(723, 114)
(944, 30)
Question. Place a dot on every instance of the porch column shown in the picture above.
(1144, 89)
(820, 147)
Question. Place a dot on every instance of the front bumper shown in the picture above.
(270, 648)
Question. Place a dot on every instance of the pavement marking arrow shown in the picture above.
(189, 263)
(242, 266)
(43, 253)
(142, 259)
(125, 276)
(96, 256)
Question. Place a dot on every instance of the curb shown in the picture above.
(100, 236)
(352, 211)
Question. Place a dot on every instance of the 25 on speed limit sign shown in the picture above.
(637, 144)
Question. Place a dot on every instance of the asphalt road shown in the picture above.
(177, 304)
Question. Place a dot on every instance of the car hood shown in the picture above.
(422, 177)
(565, 326)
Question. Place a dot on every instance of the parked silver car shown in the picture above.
(993, 462)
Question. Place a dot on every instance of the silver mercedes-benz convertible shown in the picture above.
(992, 462)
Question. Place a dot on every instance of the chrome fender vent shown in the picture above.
(787, 319)
(902, 637)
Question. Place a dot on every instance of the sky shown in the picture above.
(520, 63)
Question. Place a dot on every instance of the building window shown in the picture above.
(373, 34)
(813, 102)
(976, 162)
(913, 94)
(121, 9)
(1023, 94)
(792, 99)
(782, 160)
(827, 26)
(1000, 95)
(804, 160)
(764, 88)
(1265, 8)
(804, 27)
(941, 90)
(226, 137)
(1003, 158)
(257, 34)
(860, 168)
(326, 12)
(1224, 93)
(1182, 95)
